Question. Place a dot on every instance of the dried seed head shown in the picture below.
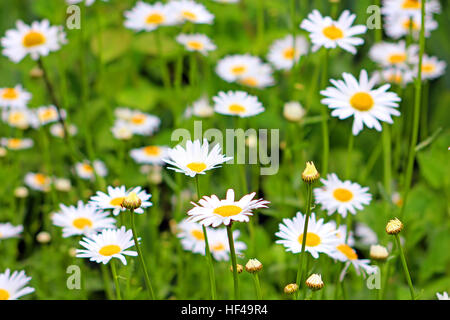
(131, 201)
(239, 268)
(291, 288)
(378, 252)
(253, 265)
(310, 174)
(394, 226)
(314, 282)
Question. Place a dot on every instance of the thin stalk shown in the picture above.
(325, 133)
(233, 261)
(351, 142)
(141, 258)
(116, 280)
(212, 277)
(106, 282)
(424, 117)
(417, 103)
(405, 267)
(387, 162)
(305, 232)
(257, 286)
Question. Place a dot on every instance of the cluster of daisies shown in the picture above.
(131, 122)
(335, 196)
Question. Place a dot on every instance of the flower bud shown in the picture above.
(394, 226)
(131, 201)
(378, 252)
(310, 174)
(314, 282)
(253, 265)
(239, 268)
(21, 192)
(43, 237)
(291, 288)
(293, 111)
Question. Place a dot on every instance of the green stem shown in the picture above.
(212, 278)
(305, 232)
(424, 117)
(116, 280)
(405, 267)
(417, 102)
(387, 163)
(106, 282)
(325, 134)
(351, 140)
(233, 261)
(141, 258)
(257, 286)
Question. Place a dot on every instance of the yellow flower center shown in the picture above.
(88, 168)
(312, 239)
(40, 178)
(249, 81)
(81, 223)
(4, 294)
(155, 18)
(218, 247)
(33, 39)
(407, 24)
(16, 117)
(362, 101)
(10, 94)
(138, 119)
(343, 195)
(189, 15)
(197, 166)
(228, 210)
(236, 108)
(47, 114)
(197, 234)
(289, 53)
(14, 143)
(428, 67)
(117, 201)
(397, 58)
(196, 45)
(332, 32)
(411, 4)
(238, 70)
(109, 250)
(152, 151)
(347, 251)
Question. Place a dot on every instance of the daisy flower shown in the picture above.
(200, 108)
(15, 97)
(57, 130)
(7, 230)
(432, 68)
(396, 76)
(237, 103)
(86, 170)
(234, 67)
(347, 254)
(211, 211)
(148, 17)
(398, 26)
(84, 219)
(115, 196)
(325, 32)
(282, 53)
(191, 11)
(409, 7)
(12, 286)
(442, 296)
(196, 158)
(366, 235)
(320, 237)
(110, 243)
(260, 77)
(150, 154)
(37, 40)
(143, 124)
(396, 55)
(341, 196)
(38, 181)
(19, 118)
(16, 144)
(49, 114)
(196, 42)
(191, 236)
(219, 244)
(350, 97)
